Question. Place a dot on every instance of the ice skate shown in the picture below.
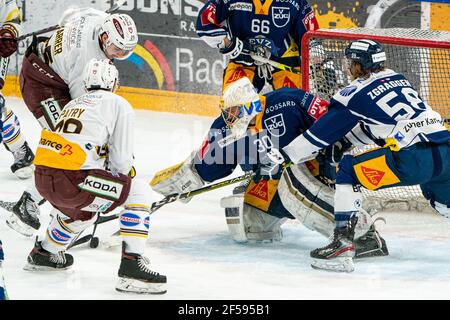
(23, 162)
(40, 259)
(135, 276)
(338, 255)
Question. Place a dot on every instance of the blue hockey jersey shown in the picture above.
(286, 113)
(278, 24)
(386, 107)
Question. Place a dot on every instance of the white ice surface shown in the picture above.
(189, 243)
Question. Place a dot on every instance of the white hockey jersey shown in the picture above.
(10, 16)
(92, 129)
(72, 46)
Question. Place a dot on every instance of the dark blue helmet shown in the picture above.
(370, 54)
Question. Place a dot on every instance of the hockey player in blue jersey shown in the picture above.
(250, 126)
(273, 29)
(3, 294)
(379, 106)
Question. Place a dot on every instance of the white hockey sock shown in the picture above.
(12, 136)
(347, 201)
(134, 225)
(62, 230)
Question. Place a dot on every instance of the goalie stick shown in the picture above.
(157, 205)
(113, 8)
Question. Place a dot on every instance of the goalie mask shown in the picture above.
(101, 74)
(239, 105)
(122, 36)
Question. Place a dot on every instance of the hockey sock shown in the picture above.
(62, 230)
(134, 225)
(12, 137)
(347, 201)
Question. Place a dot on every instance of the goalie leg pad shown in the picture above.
(249, 223)
(307, 199)
(312, 203)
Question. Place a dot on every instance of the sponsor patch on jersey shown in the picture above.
(208, 16)
(237, 74)
(347, 91)
(275, 125)
(287, 83)
(310, 22)
(281, 16)
(102, 187)
(59, 236)
(374, 176)
(399, 136)
(203, 149)
(241, 6)
(318, 108)
(129, 219)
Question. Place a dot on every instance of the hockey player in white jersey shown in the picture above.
(74, 175)
(52, 75)
(10, 133)
(388, 111)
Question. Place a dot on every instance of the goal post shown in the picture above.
(423, 56)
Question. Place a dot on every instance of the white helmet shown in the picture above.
(121, 32)
(101, 74)
(240, 104)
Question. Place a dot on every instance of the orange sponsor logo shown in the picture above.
(67, 150)
(260, 190)
(372, 175)
(287, 83)
(236, 75)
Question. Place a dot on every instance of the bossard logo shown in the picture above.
(260, 191)
(280, 16)
(372, 175)
(276, 125)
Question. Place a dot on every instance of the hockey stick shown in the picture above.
(113, 8)
(158, 204)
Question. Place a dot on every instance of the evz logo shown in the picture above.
(275, 125)
(280, 16)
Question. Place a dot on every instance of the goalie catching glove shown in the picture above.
(178, 179)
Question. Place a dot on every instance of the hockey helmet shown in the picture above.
(122, 33)
(101, 74)
(370, 54)
(239, 105)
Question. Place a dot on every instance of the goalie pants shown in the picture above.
(424, 164)
(280, 78)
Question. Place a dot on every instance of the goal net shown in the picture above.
(422, 56)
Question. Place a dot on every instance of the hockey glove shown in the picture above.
(8, 42)
(239, 51)
(273, 163)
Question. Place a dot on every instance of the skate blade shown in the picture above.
(18, 226)
(24, 173)
(33, 267)
(140, 287)
(343, 264)
(112, 241)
